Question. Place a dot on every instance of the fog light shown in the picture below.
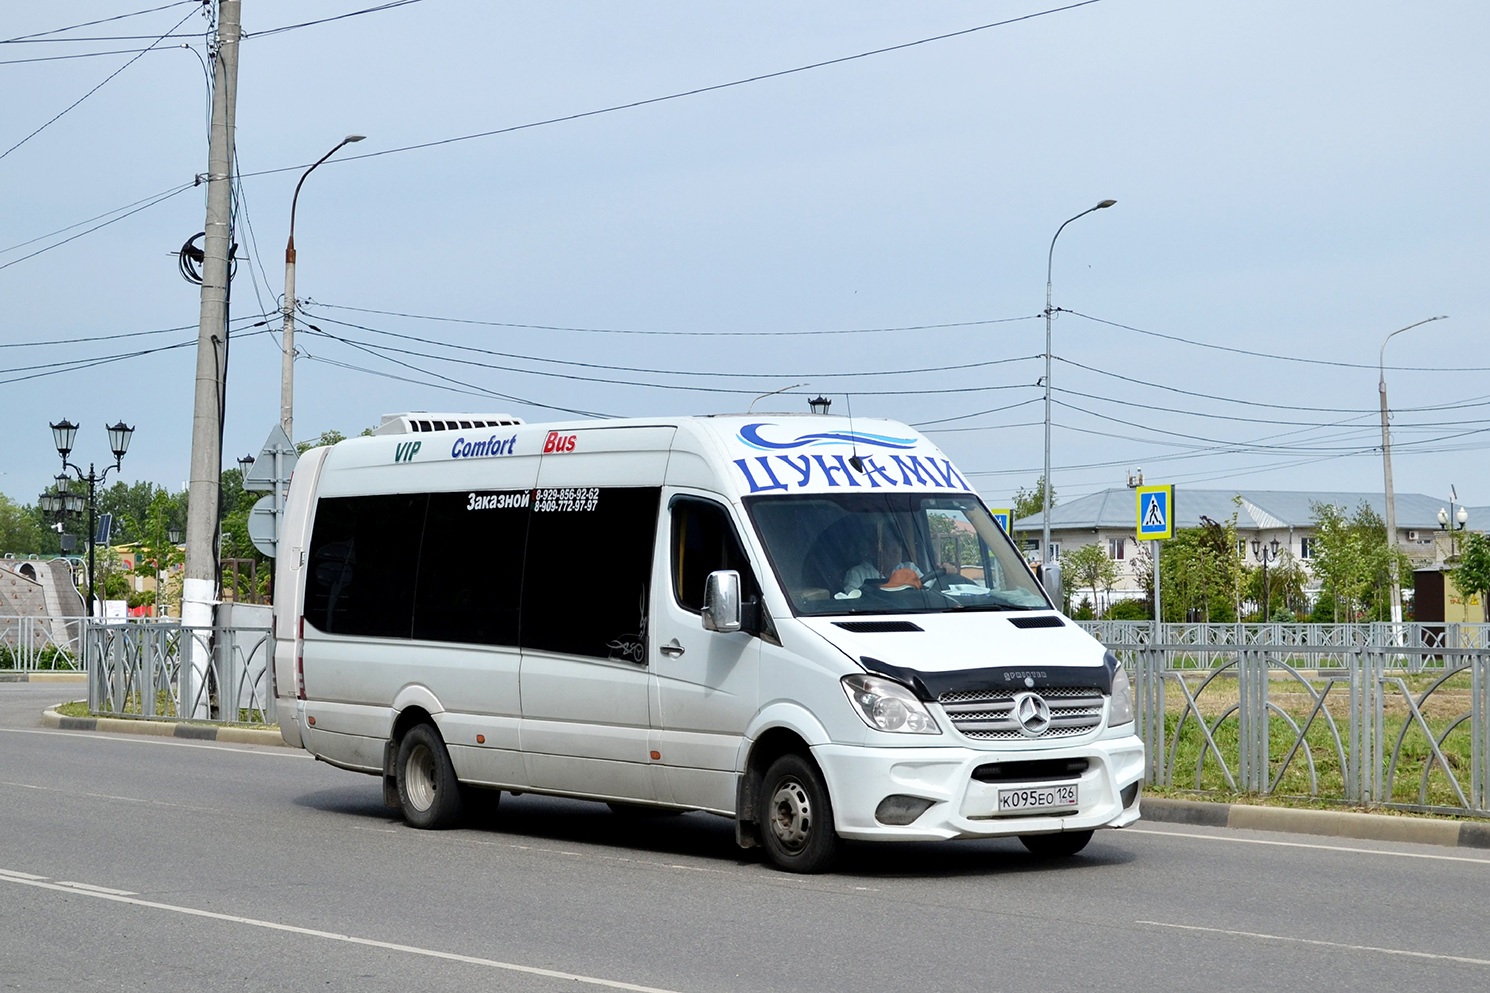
(900, 809)
(1130, 795)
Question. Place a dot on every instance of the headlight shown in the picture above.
(885, 705)
(1122, 695)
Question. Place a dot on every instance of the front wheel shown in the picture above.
(1060, 845)
(797, 817)
(428, 791)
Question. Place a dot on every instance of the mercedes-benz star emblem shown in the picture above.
(1032, 713)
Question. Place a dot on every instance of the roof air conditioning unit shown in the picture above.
(1412, 536)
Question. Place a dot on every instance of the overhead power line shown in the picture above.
(95, 89)
(327, 20)
(101, 20)
(575, 363)
(1269, 355)
(85, 55)
(686, 334)
(143, 205)
(696, 91)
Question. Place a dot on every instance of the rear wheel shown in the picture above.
(428, 791)
(796, 819)
(1056, 845)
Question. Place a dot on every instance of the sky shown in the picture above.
(1294, 182)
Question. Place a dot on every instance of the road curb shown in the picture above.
(43, 677)
(166, 729)
(1330, 823)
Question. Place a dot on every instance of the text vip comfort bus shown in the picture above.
(808, 625)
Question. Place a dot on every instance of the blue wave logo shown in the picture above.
(750, 434)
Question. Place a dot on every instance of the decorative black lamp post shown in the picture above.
(820, 404)
(64, 432)
(1265, 552)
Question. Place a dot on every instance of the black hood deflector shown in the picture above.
(931, 685)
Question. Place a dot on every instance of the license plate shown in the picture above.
(1031, 798)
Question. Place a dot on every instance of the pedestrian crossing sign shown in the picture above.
(1003, 515)
(1155, 512)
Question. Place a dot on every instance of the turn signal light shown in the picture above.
(481, 739)
(656, 755)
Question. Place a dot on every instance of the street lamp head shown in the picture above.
(50, 503)
(174, 534)
(1443, 518)
(1256, 547)
(119, 435)
(63, 480)
(246, 463)
(349, 139)
(73, 503)
(1105, 204)
(63, 432)
(819, 404)
(1274, 546)
(1462, 517)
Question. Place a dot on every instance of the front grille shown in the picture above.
(988, 715)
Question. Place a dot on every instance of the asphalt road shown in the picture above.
(134, 863)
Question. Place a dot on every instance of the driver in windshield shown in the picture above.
(891, 559)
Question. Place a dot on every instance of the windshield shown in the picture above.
(882, 553)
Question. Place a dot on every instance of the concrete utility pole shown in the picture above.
(199, 589)
(1386, 471)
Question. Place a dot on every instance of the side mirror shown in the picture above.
(1050, 578)
(722, 601)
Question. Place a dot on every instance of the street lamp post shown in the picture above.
(287, 369)
(1045, 497)
(1451, 520)
(1386, 471)
(64, 432)
(1265, 552)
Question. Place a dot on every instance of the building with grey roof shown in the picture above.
(1109, 518)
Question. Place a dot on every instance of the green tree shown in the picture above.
(1090, 567)
(1028, 503)
(328, 437)
(1472, 575)
(20, 528)
(1353, 563)
(1201, 572)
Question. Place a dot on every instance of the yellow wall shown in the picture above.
(1458, 608)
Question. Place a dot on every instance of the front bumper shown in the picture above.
(859, 777)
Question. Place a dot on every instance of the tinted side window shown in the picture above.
(703, 541)
(361, 562)
(588, 566)
(471, 567)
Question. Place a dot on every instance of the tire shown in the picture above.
(1062, 845)
(796, 816)
(428, 791)
(640, 811)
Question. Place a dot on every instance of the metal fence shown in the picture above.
(1399, 725)
(1309, 646)
(31, 644)
(172, 672)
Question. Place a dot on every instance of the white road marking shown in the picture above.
(279, 751)
(1302, 844)
(13, 874)
(1327, 944)
(96, 889)
(110, 796)
(117, 897)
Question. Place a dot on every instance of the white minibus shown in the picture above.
(808, 624)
